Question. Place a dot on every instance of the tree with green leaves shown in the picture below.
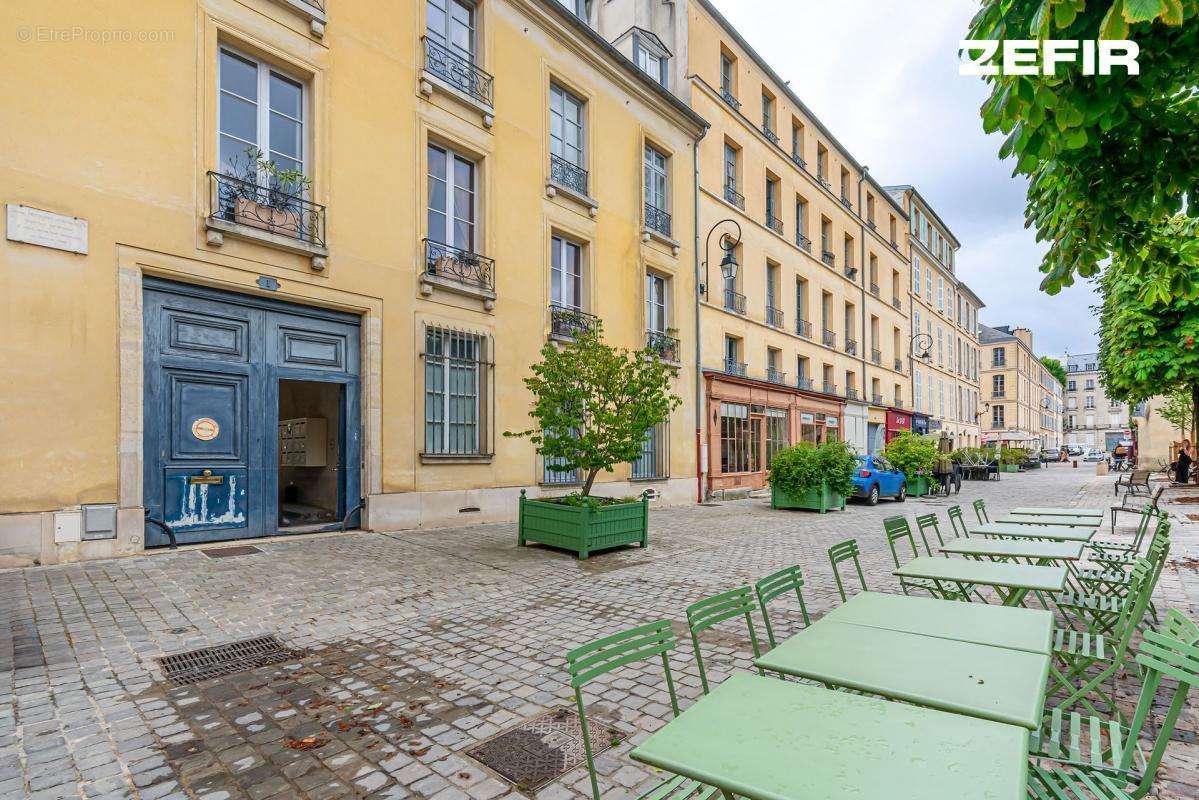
(1055, 368)
(1110, 159)
(594, 404)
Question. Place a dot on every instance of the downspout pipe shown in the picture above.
(700, 404)
(862, 268)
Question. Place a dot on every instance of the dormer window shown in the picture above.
(576, 7)
(651, 56)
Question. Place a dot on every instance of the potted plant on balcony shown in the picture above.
(914, 455)
(267, 197)
(817, 477)
(593, 405)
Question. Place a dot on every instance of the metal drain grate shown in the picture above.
(542, 748)
(226, 659)
(228, 552)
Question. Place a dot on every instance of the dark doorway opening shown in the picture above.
(311, 455)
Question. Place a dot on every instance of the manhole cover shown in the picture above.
(540, 749)
(214, 662)
(227, 552)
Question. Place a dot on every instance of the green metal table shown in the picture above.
(765, 739)
(1059, 533)
(1040, 552)
(1068, 520)
(1011, 581)
(1040, 511)
(960, 677)
(1025, 629)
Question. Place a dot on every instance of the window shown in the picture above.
(772, 288)
(576, 7)
(454, 392)
(655, 303)
(997, 385)
(826, 235)
(738, 445)
(844, 184)
(822, 163)
(940, 346)
(451, 25)
(652, 463)
(1090, 383)
(928, 284)
(566, 277)
(870, 209)
(801, 220)
(656, 196)
(451, 214)
(767, 112)
(917, 380)
(916, 275)
(778, 434)
(848, 245)
(567, 140)
(891, 225)
(260, 109)
(730, 166)
(998, 357)
(650, 58)
(773, 221)
(997, 417)
(732, 350)
(728, 76)
(797, 141)
(1090, 402)
(801, 299)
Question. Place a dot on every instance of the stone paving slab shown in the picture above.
(418, 645)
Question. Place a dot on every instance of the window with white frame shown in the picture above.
(653, 462)
(916, 274)
(260, 110)
(566, 273)
(451, 212)
(656, 319)
(916, 395)
(650, 57)
(727, 75)
(455, 392)
(576, 7)
(656, 179)
(567, 132)
(451, 24)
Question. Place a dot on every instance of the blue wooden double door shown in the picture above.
(219, 368)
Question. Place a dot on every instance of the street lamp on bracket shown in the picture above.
(728, 264)
(921, 346)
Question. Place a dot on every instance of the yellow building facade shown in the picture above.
(199, 333)
(944, 326)
(1023, 405)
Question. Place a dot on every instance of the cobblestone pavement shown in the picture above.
(417, 645)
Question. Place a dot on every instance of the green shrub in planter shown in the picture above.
(914, 455)
(817, 477)
(583, 524)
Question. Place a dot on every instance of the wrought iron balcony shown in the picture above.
(876, 399)
(728, 98)
(899, 365)
(874, 289)
(774, 223)
(851, 346)
(459, 265)
(829, 388)
(564, 173)
(733, 196)
(895, 302)
(898, 403)
(667, 347)
(771, 135)
(457, 71)
(733, 367)
(876, 356)
(829, 257)
(804, 242)
(803, 328)
(734, 301)
(845, 202)
(870, 224)
(568, 323)
(775, 376)
(774, 316)
(894, 245)
(657, 220)
(823, 179)
(267, 208)
(851, 393)
(804, 382)
(828, 337)
(799, 162)
(851, 273)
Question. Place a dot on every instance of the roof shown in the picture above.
(988, 334)
(907, 187)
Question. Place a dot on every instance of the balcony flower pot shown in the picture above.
(585, 528)
(820, 499)
(266, 217)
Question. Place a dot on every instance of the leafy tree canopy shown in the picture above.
(1110, 159)
(593, 403)
(1055, 368)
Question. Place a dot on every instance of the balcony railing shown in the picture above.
(803, 382)
(733, 367)
(774, 223)
(774, 316)
(568, 323)
(870, 224)
(851, 393)
(458, 71)
(851, 273)
(771, 135)
(829, 388)
(874, 289)
(734, 301)
(657, 220)
(876, 356)
(564, 173)
(267, 208)
(459, 265)
(851, 346)
(775, 376)
(732, 101)
(803, 328)
(829, 338)
(876, 399)
(899, 365)
(799, 162)
(898, 403)
(829, 257)
(667, 347)
(845, 202)
(804, 242)
(896, 302)
(733, 196)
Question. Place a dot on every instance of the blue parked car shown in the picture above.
(876, 478)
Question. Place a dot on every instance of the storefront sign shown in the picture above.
(47, 229)
(832, 422)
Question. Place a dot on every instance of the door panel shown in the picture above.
(214, 499)
(208, 416)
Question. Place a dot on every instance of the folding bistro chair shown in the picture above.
(775, 586)
(840, 553)
(590, 661)
(980, 510)
(926, 523)
(957, 523)
(897, 531)
(718, 608)
(1128, 506)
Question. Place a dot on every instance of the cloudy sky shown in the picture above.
(882, 75)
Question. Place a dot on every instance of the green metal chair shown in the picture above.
(1123, 771)
(602, 656)
(1102, 548)
(1102, 600)
(776, 585)
(738, 602)
(980, 511)
(925, 523)
(957, 523)
(897, 531)
(840, 553)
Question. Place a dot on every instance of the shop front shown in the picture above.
(876, 430)
(749, 421)
(898, 422)
(920, 424)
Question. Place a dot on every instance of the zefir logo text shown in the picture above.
(1042, 56)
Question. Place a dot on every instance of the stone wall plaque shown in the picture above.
(47, 229)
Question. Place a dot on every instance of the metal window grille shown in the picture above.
(554, 473)
(653, 462)
(456, 375)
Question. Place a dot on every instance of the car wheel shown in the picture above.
(903, 493)
(872, 499)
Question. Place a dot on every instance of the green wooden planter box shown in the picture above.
(917, 486)
(583, 530)
(815, 499)
(1009, 467)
